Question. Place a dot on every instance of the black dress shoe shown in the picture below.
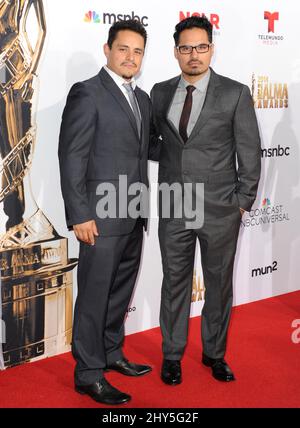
(220, 369)
(103, 392)
(171, 372)
(126, 368)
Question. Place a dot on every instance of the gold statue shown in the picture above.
(36, 278)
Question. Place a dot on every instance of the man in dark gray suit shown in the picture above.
(104, 136)
(209, 135)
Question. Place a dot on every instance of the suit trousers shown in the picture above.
(107, 273)
(218, 240)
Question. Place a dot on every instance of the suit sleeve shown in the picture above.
(75, 141)
(155, 140)
(248, 150)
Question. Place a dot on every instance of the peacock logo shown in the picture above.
(266, 202)
(92, 17)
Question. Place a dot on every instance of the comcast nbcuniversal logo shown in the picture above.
(92, 17)
(265, 214)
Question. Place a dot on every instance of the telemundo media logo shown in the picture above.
(271, 18)
(93, 17)
(271, 21)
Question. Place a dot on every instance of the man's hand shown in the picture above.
(86, 232)
(242, 211)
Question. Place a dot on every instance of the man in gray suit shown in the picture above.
(209, 135)
(104, 136)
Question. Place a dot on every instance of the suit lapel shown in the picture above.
(167, 100)
(212, 94)
(116, 92)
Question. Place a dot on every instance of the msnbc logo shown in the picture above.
(92, 17)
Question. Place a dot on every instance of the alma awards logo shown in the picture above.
(198, 288)
(267, 94)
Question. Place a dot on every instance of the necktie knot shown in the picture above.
(128, 87)
(190, 89)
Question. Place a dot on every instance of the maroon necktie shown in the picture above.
(186, 112)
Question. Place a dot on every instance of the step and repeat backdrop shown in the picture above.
(45, 47)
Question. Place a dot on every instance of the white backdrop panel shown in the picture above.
(73, 52)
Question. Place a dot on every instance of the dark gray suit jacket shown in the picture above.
(223, 150)
(98, 142)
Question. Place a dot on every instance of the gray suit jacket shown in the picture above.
(99, 142)
(223, 150)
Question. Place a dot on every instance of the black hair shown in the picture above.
(193, 22)
(129, 24)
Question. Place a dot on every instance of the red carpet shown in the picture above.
(265, 361)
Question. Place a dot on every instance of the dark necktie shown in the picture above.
(134, 105)
(186, 112)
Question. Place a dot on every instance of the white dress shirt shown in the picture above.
(119, 81)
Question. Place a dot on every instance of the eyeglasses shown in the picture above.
(186, 49)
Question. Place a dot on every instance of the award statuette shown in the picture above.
(36, 277)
